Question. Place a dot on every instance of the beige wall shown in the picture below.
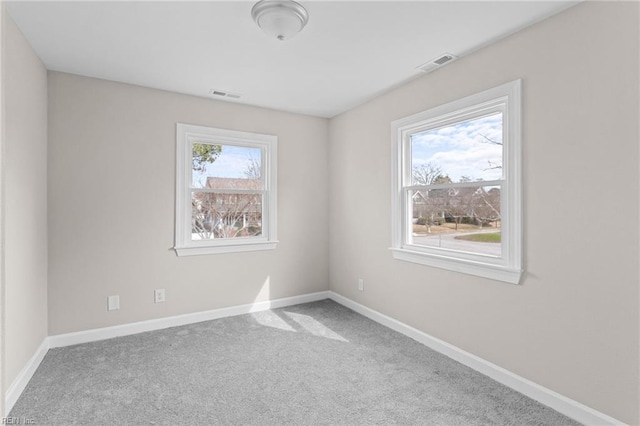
(111, 206)
(25, 199)
(572, 326)
(2, 267)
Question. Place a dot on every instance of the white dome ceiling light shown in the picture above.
(280, 19)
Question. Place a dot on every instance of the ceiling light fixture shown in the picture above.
(281, 19)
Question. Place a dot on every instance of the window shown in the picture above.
(457, 196)
(225, 191)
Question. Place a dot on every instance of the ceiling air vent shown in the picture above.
(224, 94)
(445, 58)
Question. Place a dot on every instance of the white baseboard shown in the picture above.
(20, 382)
(61, 340)
(560, 403)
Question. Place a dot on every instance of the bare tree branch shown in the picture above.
(489, 140)
(491, 166)
(426, 174)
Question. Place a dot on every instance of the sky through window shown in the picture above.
(471, 149)
(233, 162)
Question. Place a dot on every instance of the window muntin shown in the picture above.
(226, 191)
(456, 185)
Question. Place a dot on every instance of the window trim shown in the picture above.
(186, 135)
(507, 268)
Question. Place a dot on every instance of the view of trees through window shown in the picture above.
(226, 191)
(456, 180)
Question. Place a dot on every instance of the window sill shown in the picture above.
(485, 270)
(236, 248)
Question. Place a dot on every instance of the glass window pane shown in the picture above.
(226, 167)
(464, 219)
(467, 151)
(224, 215)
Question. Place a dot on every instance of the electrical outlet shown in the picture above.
(159, 295)
(360, 284)
(113, 303)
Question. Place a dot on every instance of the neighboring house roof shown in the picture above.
(225, 203)
(418, 197)
(233, 183)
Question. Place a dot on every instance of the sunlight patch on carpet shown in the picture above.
(271, 319)
(314, 327)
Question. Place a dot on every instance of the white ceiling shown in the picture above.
(349, 52)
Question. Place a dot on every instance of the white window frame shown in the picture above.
(186, 136)
(509, 266)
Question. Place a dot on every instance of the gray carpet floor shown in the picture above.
(316, 363)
